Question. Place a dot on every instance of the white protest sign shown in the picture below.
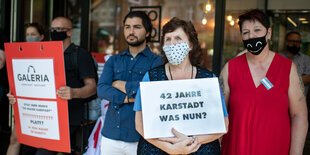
(39, 118)
(34, 78)
(192, 107)
(36, 70)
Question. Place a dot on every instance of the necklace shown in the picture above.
(171, 74)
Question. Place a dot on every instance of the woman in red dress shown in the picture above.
(264, 95)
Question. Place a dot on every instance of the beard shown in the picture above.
(136, 43)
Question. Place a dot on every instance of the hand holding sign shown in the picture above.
(178, 137)
(191, 106)
(36, 71)
(11, 98)
(65, 93)
(185, 146)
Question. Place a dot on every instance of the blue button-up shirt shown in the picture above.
(120, 118)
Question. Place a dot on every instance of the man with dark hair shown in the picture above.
(119, 83)
(292, 52)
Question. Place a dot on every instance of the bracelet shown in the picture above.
(193, 139)
(127, 98)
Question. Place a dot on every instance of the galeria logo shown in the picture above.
(32, 76)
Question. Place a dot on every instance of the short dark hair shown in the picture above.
(254, 15)
(292, 32)
(36, 26)
(146, 21)
(189, 29)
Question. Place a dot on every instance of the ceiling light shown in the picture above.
(208, 7)
(291, 21)
(232, 23)
(229, 17)
(204, 21)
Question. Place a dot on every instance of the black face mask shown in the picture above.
(59, 36)
(293, 49)
(255, 45)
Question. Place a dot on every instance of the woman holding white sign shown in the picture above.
(182, 54)
(266, 104)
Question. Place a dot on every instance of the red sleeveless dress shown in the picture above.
(259, 121)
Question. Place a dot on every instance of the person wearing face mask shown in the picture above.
(302, 61)
(182, 55)
(2, 72)
(80, 80)
(264, 96)
(34, 33)
(119, 83)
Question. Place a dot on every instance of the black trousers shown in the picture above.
(146, 148)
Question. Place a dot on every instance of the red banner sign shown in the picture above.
(36, 71)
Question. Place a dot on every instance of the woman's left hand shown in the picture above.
(178, 137)
(186, 146)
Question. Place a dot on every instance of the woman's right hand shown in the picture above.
(178, 137)
(185, 146)
(11, 97)
(181, 143)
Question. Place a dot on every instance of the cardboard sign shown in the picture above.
(192, 107)
(36, 71)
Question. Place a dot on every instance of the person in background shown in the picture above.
(302, 61)
(182, 55)
(103, 41)
(2, 64)
(81, 84)
(4, 88)
(34, 33)
(264, 95)
(119, 83)
(3, 72)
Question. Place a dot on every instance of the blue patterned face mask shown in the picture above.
(176, 53)
(33, 38)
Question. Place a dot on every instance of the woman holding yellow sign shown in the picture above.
(182, 54)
